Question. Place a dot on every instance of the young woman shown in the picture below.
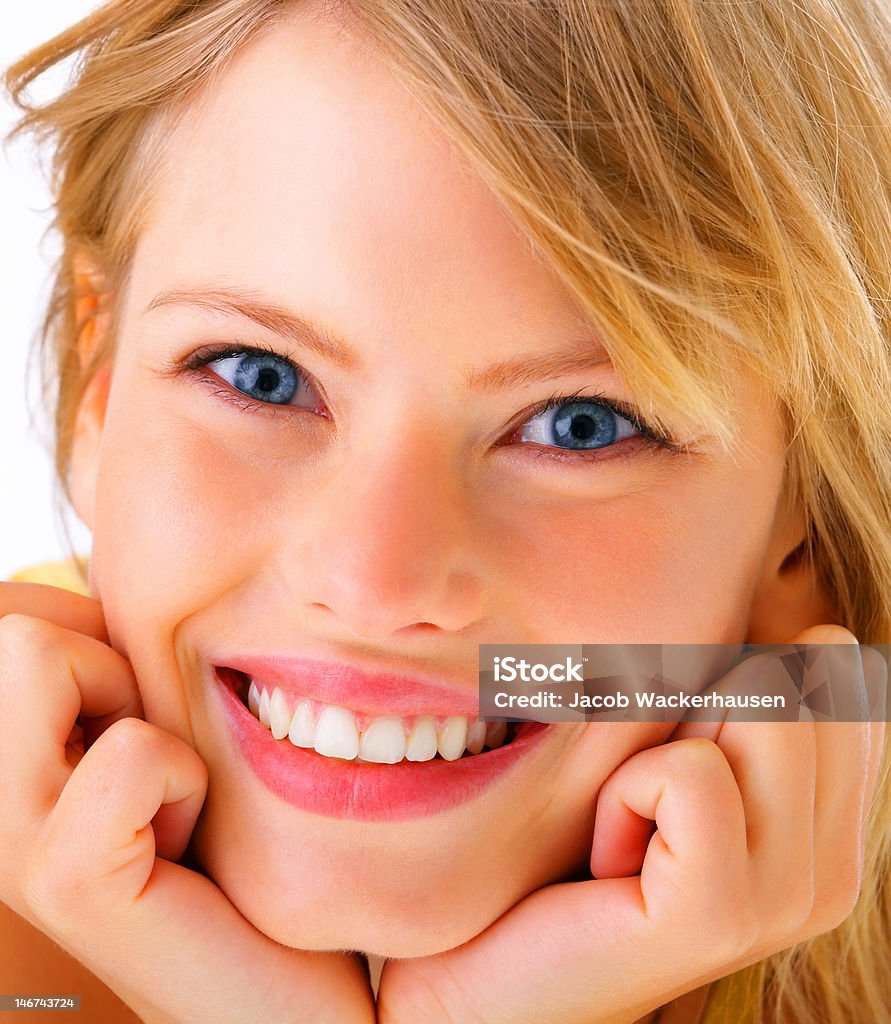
(383, 330)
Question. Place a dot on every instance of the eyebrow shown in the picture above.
(268, 315)
(534, 367)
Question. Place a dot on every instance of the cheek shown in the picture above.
(659, 566)
(173, 532)
(178, 520)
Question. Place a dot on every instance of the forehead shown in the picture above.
(310, 172)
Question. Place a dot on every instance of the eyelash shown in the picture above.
(654, 439)
(195, 362)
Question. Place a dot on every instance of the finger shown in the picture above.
(48, 676)
(846, 769)
(773, 759)
(775, 767)
(774, 762)
(875, 673)
(620, 847)
(802, 789)
(63, 607)
(688, 789)
(102, 816)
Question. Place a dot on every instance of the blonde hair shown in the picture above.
(712, 181)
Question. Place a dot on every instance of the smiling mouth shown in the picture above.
(351, 735)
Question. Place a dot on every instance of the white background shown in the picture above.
(29, 531)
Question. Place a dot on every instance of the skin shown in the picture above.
(309, 178)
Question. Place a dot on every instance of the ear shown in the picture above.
(92, 302)
(789, 596)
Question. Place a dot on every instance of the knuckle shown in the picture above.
(723, 930)
(605, 790)
(829, 916)
(699, 748)
(764, 665)
(795, 905)
(743, 934)
(694, 754)
(875, 668)
(761, 661)
(842, 900)
(125, 736)
(23, 634)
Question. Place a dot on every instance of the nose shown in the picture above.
(392, 545)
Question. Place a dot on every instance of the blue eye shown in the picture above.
(578, 424)
(260, 375)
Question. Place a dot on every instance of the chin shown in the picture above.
(398, 900)
(345, 917)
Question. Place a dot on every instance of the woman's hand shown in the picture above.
(758, 846)
(90, 832)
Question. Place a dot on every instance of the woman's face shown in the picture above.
(387, 507)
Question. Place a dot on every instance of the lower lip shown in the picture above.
(337, 788)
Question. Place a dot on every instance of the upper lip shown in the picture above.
(380, 692)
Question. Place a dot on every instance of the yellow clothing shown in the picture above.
(729, 1001)
(63, 574)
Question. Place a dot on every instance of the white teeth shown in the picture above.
(336, 733)
(495, 733)
(421, 744)
(476, 736)
(263, 709)
(279, 715)
(303, 729)
(452, 738)
(383, 741)
(254, 698)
